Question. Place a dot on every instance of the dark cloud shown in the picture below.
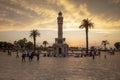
(43, 13)
(7, 5)
(21, 13)
(15, 14)
(105, 8)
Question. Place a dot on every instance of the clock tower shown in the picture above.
(60, 47)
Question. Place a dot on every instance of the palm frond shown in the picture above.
(34, 33)
(86, 23)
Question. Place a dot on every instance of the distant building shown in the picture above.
(60, 47)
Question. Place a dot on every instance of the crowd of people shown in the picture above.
(94, 52)
(30, 54)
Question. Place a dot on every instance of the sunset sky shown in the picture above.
(18, 17)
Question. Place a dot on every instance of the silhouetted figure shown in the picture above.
(112, 51)
(9, 52)
(29, 55)
(23, 56)
(105, 56)
(90, 53)
(38, 55)
(54, 55)
(32, 54)
(81, 54)
(17, 55)
(44, 55)
(93, 55)
(99, 53)
(48, 55)
(64, 55)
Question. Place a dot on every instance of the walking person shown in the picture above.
(17, 55)
(93, 54)
(9, 52)
(23, 56)
(105, 56)
(29, 55)
(99, 53)
(38, 55)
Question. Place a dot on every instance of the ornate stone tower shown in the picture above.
(60, 47)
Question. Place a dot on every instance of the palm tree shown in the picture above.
(34, 34)
(45, 44)
(87, 24)
(104, 43)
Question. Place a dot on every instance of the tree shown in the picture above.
(21, 43)
(29, 45)
(87, 24)
(34, 34)
(104, 43)
(9, 45)
(25, 40)
(6, 45)
(117, 45)
(45, 44)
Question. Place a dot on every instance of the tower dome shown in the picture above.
(60, 13)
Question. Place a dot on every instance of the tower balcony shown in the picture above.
(59, 40)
